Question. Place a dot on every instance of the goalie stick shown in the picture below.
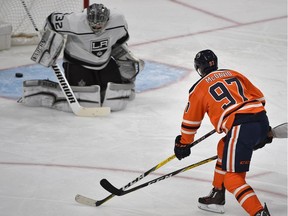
(72, 100)
(91, 202)
(279, 131)
(76, 108)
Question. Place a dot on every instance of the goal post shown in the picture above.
(13, 13)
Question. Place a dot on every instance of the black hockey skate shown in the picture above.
(214, 202)
(263, 212)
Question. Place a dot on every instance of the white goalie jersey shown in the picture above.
(83, 46)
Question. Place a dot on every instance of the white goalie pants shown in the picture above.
(46, 93)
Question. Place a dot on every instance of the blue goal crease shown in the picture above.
(154, 76)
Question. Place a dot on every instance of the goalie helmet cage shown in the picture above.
(23, 32)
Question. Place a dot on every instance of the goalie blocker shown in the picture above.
(48, 48)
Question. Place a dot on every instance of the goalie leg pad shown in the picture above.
(88, 96)
(118, 95)
(41, 93)
(46, 93)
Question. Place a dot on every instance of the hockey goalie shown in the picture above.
(97, 62)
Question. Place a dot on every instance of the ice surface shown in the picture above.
(47, 156)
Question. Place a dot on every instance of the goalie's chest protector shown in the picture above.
(85, 45)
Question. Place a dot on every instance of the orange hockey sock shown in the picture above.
(235, 183)
(218, 172)
(218, 175)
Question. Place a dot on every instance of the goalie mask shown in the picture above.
(205, 62)
(97, 16)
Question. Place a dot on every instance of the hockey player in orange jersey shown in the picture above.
(236, 107)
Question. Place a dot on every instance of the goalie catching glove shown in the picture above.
(181, 150)
(129, 65)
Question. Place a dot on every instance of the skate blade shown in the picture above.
(212, 208)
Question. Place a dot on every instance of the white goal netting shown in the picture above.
(14, 13)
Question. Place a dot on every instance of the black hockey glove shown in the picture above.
(181, 150)
(268, 139)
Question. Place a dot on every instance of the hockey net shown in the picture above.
(23, 32)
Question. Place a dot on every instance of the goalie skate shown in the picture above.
(214, 202)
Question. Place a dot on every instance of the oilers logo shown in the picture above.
(99, 48)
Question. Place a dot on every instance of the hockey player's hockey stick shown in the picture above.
(76, 108)
(87, 201)
(120, 192)
(279, 131)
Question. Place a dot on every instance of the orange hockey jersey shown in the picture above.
(221, 94)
